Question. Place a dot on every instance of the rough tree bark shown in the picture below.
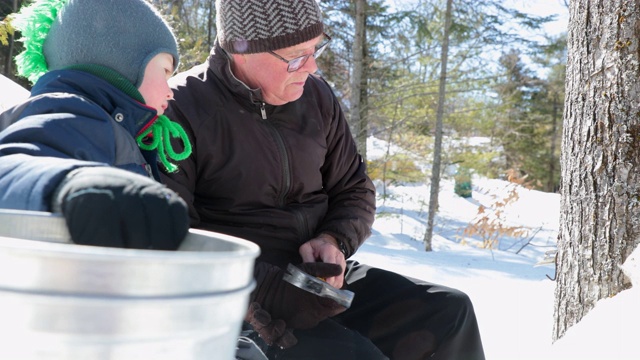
(600, 191)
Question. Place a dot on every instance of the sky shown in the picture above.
(554, 8)
(558, 25)
(513, 298)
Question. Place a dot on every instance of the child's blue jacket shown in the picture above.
(72, 119)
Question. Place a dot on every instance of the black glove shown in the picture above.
(298, 308)
(272, 331)
(107, 206)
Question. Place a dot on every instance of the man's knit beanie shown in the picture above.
(254, 26)
(122, 35)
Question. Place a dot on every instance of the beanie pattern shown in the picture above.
(254, 26)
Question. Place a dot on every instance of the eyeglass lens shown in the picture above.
(299, 62)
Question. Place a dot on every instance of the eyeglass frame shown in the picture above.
(304, 58)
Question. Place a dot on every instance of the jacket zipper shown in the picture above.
(282, 150)
(302, 225)
(301, 221)
(263, 111)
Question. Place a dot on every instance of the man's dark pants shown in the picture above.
(393, 317)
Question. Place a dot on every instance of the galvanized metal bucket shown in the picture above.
(47, 326)
(65, 301)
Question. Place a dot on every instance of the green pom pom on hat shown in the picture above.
(34, 22)
(122, 35)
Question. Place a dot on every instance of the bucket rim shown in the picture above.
(70, 299)
(62, 245)
(101, 253)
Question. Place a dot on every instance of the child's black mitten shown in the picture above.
(107, 206)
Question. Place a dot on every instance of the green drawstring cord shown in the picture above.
(160, 134)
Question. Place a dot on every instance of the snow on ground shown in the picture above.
(11, 93)
(513, 297)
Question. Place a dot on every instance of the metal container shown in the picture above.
(56, 327)
(206, 262)
(33, 225)
(60, 300)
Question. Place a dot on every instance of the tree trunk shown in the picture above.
(600, 192)
(357, 122)
(437, 145)
(211, 23)
(551, 181)
(8, 69)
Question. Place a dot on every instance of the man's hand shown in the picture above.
(325, 249)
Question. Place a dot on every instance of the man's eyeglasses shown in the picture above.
(295, 64)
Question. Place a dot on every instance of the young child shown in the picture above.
(87, 141)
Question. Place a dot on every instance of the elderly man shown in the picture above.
(274, 162)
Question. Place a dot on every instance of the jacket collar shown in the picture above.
(220, 64)
(129, 113)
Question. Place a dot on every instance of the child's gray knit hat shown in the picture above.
(247, 27)
(122, 35)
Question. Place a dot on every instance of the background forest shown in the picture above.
(385, 65)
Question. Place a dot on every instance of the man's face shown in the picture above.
(269, 73)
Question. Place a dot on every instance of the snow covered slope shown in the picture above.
(10, 93)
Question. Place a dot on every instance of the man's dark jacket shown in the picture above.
(275, 175)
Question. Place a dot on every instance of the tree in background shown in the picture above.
(527, 117)
(551, 105)
(398, 94)
(355, 65)
(194, 22)
(358, 81)
(475, 29)
(384, 65)
(516, 126)
(9, 47)
(600, 189)
(437, 158)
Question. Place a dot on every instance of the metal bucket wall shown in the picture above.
(65, 301)
(46, 326)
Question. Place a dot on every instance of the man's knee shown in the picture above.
(330, 340)
(460, 304)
